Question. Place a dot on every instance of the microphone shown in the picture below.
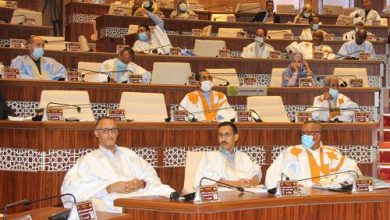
(239, 188)
(109, 73)
(344, 83)
(284, 175)
(24, 202)
(174, 196)
(193, 119)
(63, 105)
(227, 82)
(258, 119)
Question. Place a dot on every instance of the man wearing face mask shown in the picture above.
(206, 104)
(35, 65)
(306, 13)
(366, 13)
(329, 106)
(124, 62)
(182, 11)
(150, 41)
(307, 49)
(310, 159)
(269, 13)
(258, 49)
(353, 48)
(150, 6)
(308, 32)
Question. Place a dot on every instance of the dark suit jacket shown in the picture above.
(260, 17)
(4, 109)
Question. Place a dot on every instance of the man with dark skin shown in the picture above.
(353, 48)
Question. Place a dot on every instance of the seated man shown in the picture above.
(149, 41)
(35, 65)
(330, 105)
(258, 49)
(353, 48)
(269, 13)
(308, 32)
(366, 14)
(310, 159)
(227, 164)
(182, 11)
(307, 49)
(124, 62)
(205, 104)
(350, 35)
(306, 13)
(150, 6)
(110, 172)
(297, 69)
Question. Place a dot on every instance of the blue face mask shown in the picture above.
(38, 52)
(143, 36)
(307, 141)
(334, 93)
(120, 65)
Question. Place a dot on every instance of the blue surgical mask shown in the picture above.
(307, 141)
(315, 27)
(143, 36)
(120, 65)
(334, 93)
(38, 52)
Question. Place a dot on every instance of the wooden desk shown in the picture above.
(284, 18)
(6, 14)
(22, 31)
(319, 205)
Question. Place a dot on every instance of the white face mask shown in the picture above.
(206, 86)
(306, 14)
(182, 7)
(315, 27)
(259, 40)
(146, 4)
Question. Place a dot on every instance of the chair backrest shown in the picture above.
(208, 48)
(133, 28)
(348, 11)
(220, 17)
(358, 72)
(90, 76)
(144, 107)
(229, 32)
(277, 34)
(249, 7)
(383, 22)
(20, 16)
(170, 73)
(54, 43)
(69, 97)
(229, 74)
(206, 31)
(270, 108)
(119, 9)
(192, 163)
(284, 9)
(332, 9)
(276, 77)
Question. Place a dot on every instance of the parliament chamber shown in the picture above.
(36, 155)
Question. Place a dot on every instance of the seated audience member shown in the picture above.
(151, 6)
(306, 13)
(110, 172)
(297, 69)
(308, 32)
(307, 49)
(4, 109)
(258, 49)
(152, 40)
(353, 48)
(228, 164)
(35, 65)
(205, 104)
(124, 62)
(350, 35)
(332, 105)
(311, 159)
(269, 13)
(182, 11)
(366, 14)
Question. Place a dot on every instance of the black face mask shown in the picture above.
(150, 8)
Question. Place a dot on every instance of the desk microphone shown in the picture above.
(63, 105)
(226, 81)
(108, 73)
(258, 119)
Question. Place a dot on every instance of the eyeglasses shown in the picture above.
(310, 132)
(106, 130)
(226, 135)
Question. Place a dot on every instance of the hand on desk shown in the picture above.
(126, 186)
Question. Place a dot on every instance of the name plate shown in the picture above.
(318, 55)
(268, 20)
(364, 56)
(247, 90)
(208, 193)
(86, 211)
(175, 51)
(244, 116)
(17, 43)
(275, 55)
(11, 4)
(329, 37)
(375, 23)
(356, 82)
(303, 117)
(54, 114)
(224, 53)
(119, 47)
(197, 32)
(192, 80)
(180, 115)
(231, 18)
(72, 46)
(287, 188)
(117, 114)
(11, 73)
(306, 82)
(74, 76)
(362, 116)
(288, 36)
(362, 185)
(135, 78)
(303, 21)
(250, 81)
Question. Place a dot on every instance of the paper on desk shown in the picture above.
(19, 118)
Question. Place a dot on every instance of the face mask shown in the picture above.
(307, 141)
(306, 14)
(146, 4)
(356, 29)
(182, 7)
(259, 40)
(143, 36)
(315, 27)
(38, 52)
(334, 93)
(206, 86)
(120, 65)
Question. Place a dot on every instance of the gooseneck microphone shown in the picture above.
(63, 105)
(239, 188)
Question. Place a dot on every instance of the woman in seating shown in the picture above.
(150, 6)
(182, 11)
(297, 69)
(306, 13)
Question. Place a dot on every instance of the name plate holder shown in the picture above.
(364, 56)
(244, 116)
(275, 55)
(55, 114)
(17, 43)
(358, 82)
(196, 32)
(246, 90)
(135, 78)
(86, 211)
(362, 185)
(287, 188)
(175, 51)
(329, 37)
(11, 73)
(303, 117)
(288, 36)
(74, 76)
(72, 46)
(180, 115)
(207, 193)
(224, 53)
(318, 55)
(306, 82)
(362, 116)
(250, 81)
(117, 114)
(268, 20)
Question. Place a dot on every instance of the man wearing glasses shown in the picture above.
(227, 164)
(110, 172)
(310, 159)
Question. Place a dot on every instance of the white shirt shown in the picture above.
(352, 49)
(253, 50)
(371, 16)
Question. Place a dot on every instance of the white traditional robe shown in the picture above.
(307, 50)
(218, 109)
(371, 16)
(50, 69)
(187, 15)
(351, 49)
(89, 177)
(298, 162)
(320, 108)
(216, 166)
(111, 66)
(254, 51)
(306, 34)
